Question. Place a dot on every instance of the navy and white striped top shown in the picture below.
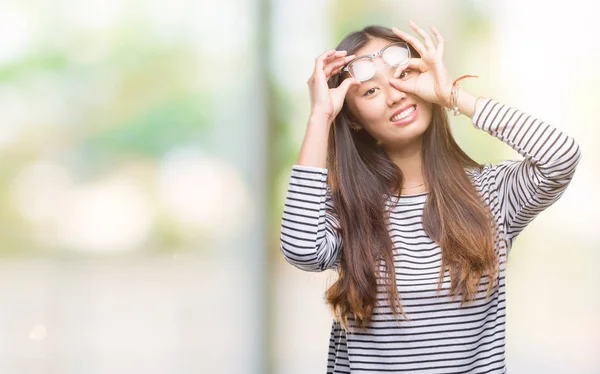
(441, 336)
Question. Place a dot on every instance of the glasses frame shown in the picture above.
(372, 58)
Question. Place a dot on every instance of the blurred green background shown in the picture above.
(145, 150)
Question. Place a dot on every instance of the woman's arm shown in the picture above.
(313, 151)
(526, 187)
(309, 238)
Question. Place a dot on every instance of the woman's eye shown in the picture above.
(370, 91)
(405, 72)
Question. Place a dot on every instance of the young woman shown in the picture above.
(417, 231)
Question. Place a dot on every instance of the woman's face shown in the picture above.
(375, 102)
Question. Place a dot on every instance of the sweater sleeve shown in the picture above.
(527, 187)
(309, 237)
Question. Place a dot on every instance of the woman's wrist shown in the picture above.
(466, 102)
(446, 102)
(316, 117)
(459, 100)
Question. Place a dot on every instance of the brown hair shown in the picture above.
(361, 175)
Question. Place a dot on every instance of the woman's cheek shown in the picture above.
(372, 110)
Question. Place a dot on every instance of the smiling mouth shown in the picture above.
(406, 113)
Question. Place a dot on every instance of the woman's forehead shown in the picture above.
(374, 45)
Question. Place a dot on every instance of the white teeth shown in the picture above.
(403, 114)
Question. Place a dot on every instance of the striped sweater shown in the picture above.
(441, 336)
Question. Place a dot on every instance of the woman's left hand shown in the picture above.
(434, 83)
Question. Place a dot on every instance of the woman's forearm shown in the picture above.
(314, 146)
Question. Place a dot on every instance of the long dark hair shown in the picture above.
(362, 176)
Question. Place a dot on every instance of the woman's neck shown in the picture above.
(410, 162)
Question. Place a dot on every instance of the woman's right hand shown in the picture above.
(327, 102)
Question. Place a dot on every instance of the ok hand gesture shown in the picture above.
(434, 83)
(327, 102)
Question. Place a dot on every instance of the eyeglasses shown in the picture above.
(363, 68)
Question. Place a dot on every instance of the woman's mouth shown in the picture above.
(405, 117)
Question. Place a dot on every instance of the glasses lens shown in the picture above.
(362, 69)
(396, 54)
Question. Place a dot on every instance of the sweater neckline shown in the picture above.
(409, 199)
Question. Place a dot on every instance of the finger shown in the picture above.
(413, 63)
(399, 70)
(417, 45)
(333, 57)
(405, 86)
(440, 39)
(335, 66)
(338, 70)
(325, 55)
(423, 34)
(322, 61)
(417, 63)
(319, 61)
(347, 84)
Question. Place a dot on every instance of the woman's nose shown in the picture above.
(394, 95)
